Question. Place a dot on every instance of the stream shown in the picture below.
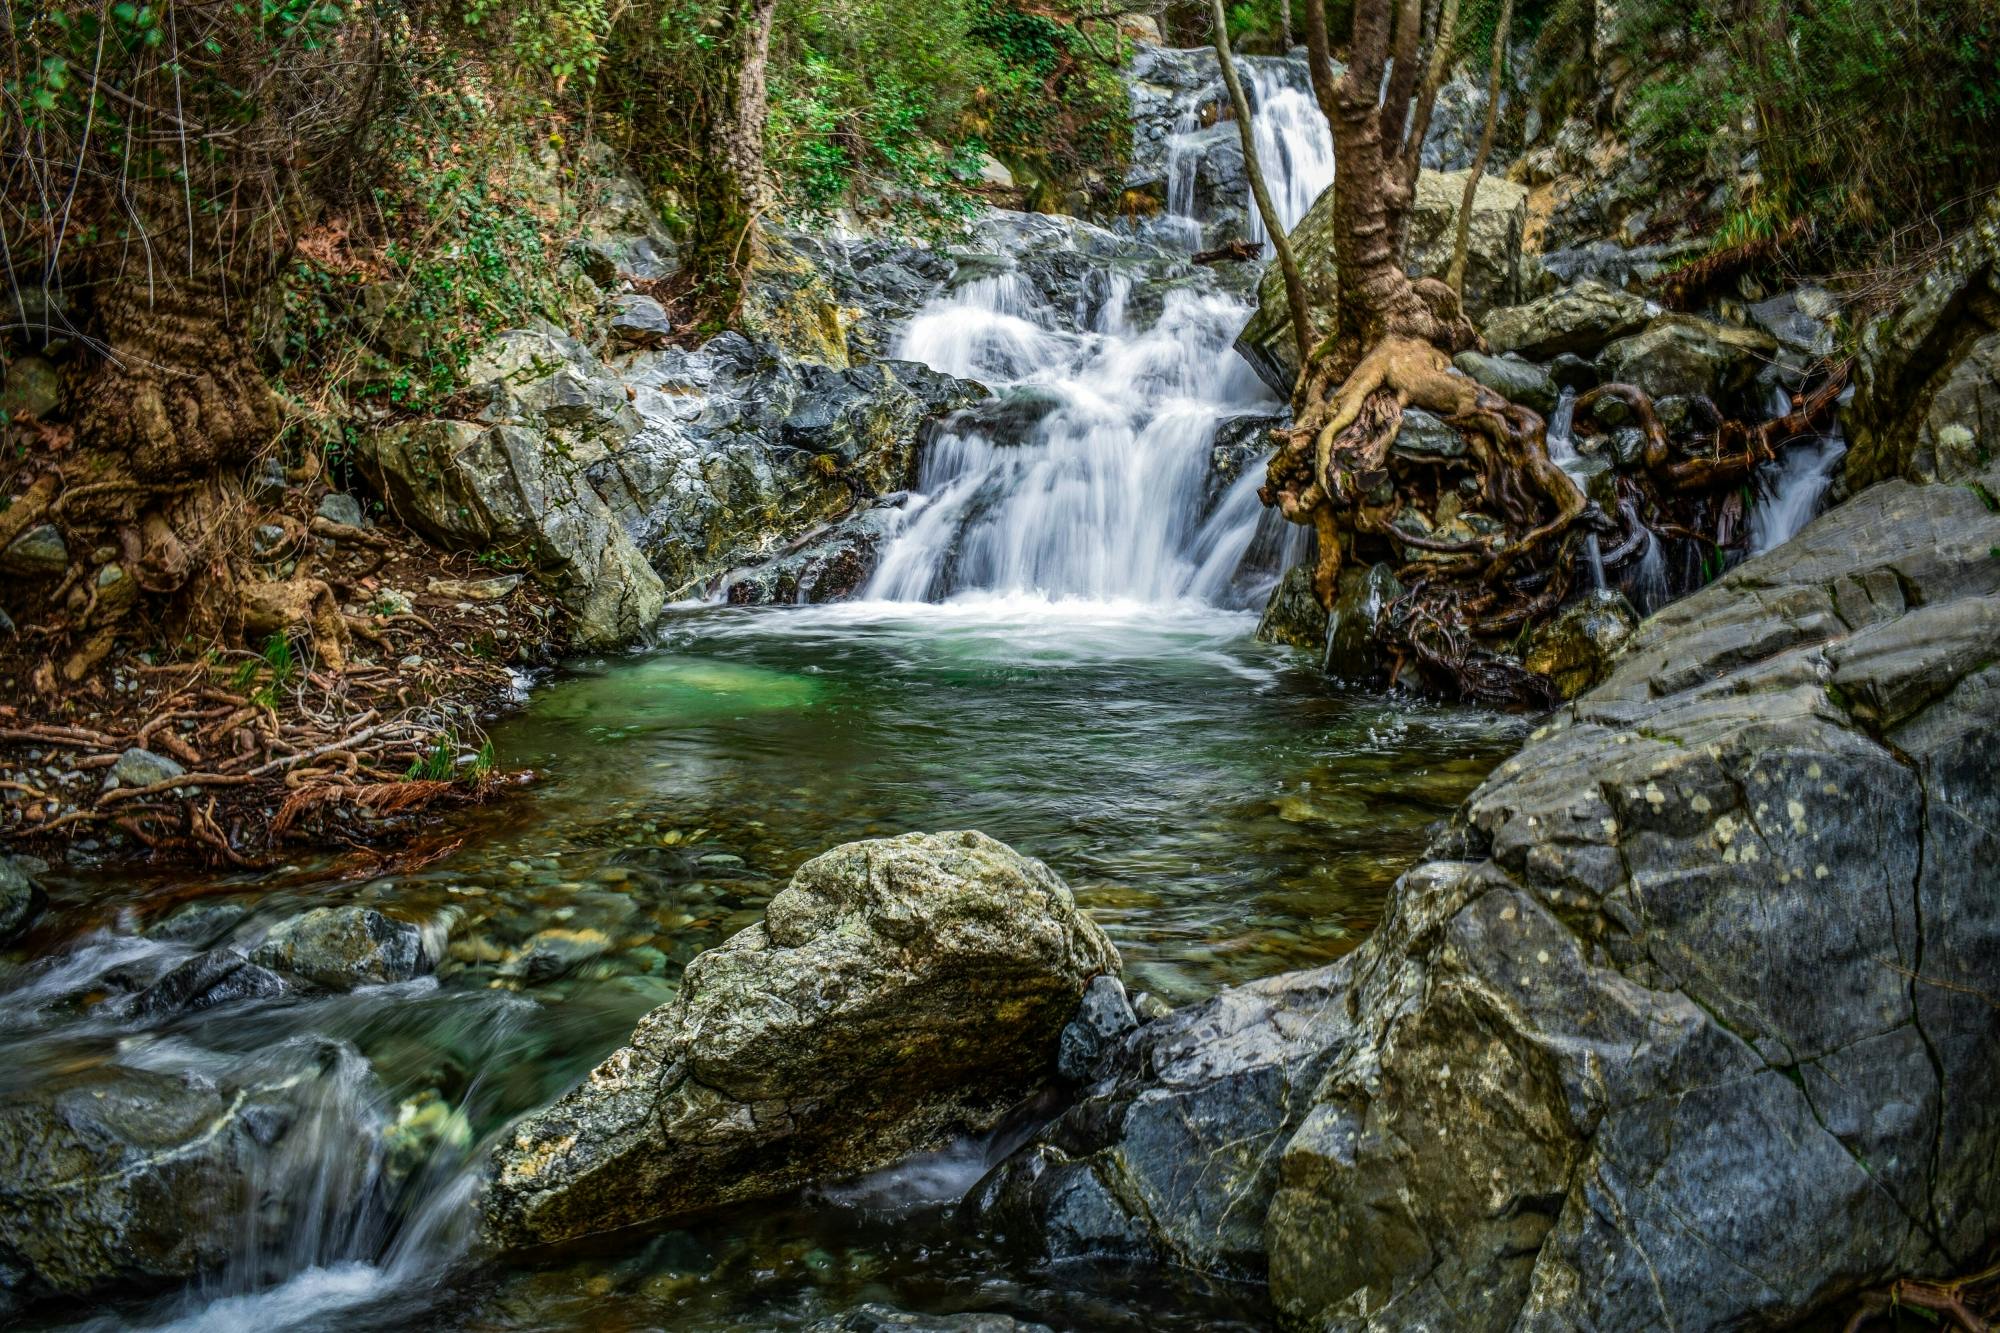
(1055, 649)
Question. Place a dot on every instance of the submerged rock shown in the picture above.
(339, 948)
(1687, 1022)
(901, 990)
(204, 981)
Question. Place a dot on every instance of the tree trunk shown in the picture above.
(1455, 275)
(728, 184)
(1285, 23)
(1274, 226)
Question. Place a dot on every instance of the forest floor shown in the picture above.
(230, 756)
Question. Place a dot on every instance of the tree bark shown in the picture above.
(1274, 225)
(1462, 243)
(728, 184)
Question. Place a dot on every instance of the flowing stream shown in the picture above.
(1055, 649)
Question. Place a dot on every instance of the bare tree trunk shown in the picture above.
(1274, 226)
(1285, 23)
(1420, 122)
(1455, 275)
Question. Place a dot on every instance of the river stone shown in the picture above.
(1679, 354)
(1520, 382)
(1362, 595)
(1493, 272)
(1685, 1022)
(113, 1176)
(1101, 1021)
(219, 976)
(21, 901)
(1293, 616)
(338, 507)
(874, 1318)
(142, 768)
(1925, 402)
(1575, 650)
(38, 553)
(1579, 320)
(1425, 436)
(339, 948)
(898, 992)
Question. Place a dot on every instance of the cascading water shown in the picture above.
(1791, 489)
(1092, 476)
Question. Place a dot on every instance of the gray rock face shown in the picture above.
(341, 508)
(1494, 275)
(1579, 319)
(1576, 649)
(1686, 1023)
(638, 321)
(1521, 382)
(112, 1176)
(339, 948)
(900, 990)
(1926, 405)
(1681, 355)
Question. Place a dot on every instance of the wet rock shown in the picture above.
(1679, 354)
(1493, 270)
(1350, 639)
(339, 948)
(21, 901)
(874, 1318)
(338, 507)
(219, 976)
(1571, 371)
(638, 321)
(549, 954)
(1294, 616)
(198, 924)
(142, 768)
(1641, 1045)
(1101, 1022)
(899, 991)
(829, 568)
(1579, 320)
(38, 553)
(113, 1176)
(1802, 321)
(1577, 648)
(1171, 1155)
(1520, 382)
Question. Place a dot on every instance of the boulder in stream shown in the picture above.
(21, 901)
(898, 992)
(339, 948)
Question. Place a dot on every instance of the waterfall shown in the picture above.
(1091, 474)
(1561, 435)
(1293, 142)
(1791, 489)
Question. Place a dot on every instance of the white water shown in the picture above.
(1109, 492)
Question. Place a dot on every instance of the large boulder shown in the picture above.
(1686, 1022)
(1493, 267)
(1682, 356)
(339, 948)
(1579, 320)
(898, 992)
(1927, 377)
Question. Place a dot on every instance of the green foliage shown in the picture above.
(1868, 116)
(440, 763)
(278, 667)
(887, 106)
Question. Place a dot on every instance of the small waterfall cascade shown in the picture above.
(1791, 489)
(1092, 473)
(1293, 143)
(1561, 434)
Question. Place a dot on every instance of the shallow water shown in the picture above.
(1223, 813)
